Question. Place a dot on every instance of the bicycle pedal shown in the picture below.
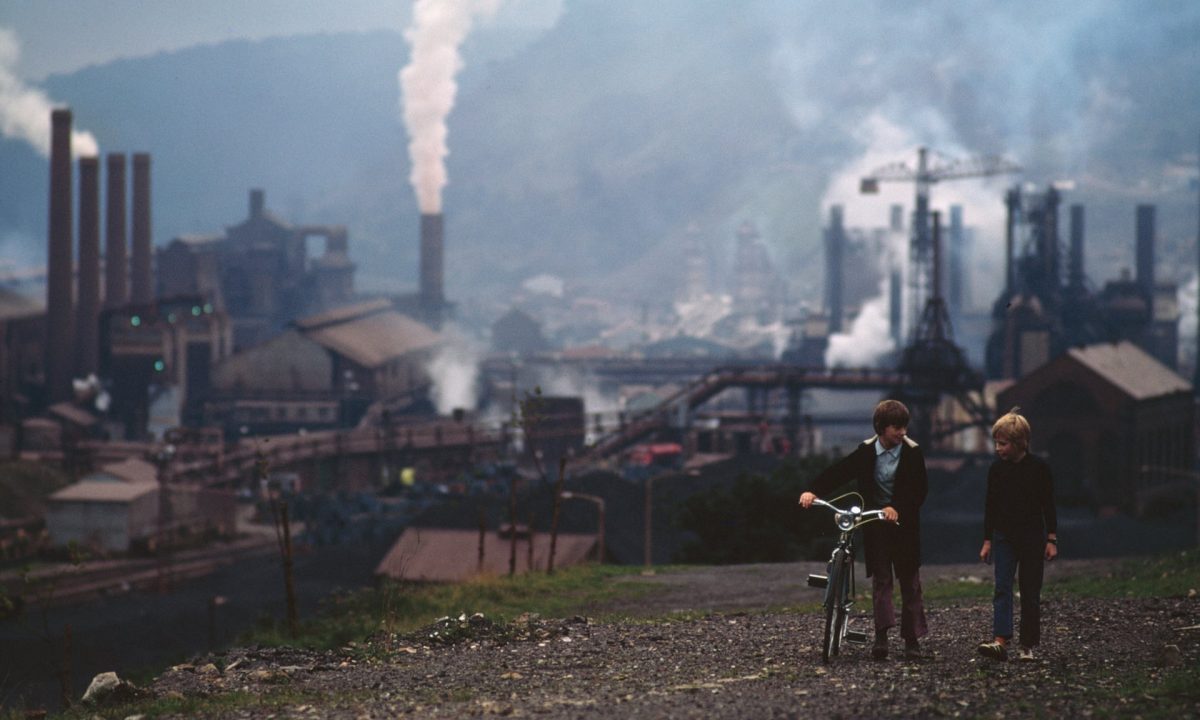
(856, 636)
(818, 581)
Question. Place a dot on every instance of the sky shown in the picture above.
(61, 36)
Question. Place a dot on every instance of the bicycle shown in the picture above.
(839, 578)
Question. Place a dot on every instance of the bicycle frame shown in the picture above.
(839, 581)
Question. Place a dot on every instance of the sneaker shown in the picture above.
(994, 650)
(912, 650)
(1025, 654)
(879, 651)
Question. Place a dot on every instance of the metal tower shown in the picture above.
(933, 366)
(930, 170)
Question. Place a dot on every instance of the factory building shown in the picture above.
(117, 508)
(1103, 412)
(259, 272)
(1038, 316)
(159, 357)
(324, 372)
(757, 288)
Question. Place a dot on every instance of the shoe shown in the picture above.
(912, 650)
(879, 651)
(994, 650)
(1025, 654)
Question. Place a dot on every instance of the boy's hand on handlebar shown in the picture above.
(985, 552)
(806, 499)
(890, 514)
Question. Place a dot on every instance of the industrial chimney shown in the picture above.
(835, 241)
(116, 256)
(88, 318)
(59, 355)
(1012, 204)
(1145, 253)
(141, 280)
(433, 297)
(257, 202)
(956, 291)
(1075, 261)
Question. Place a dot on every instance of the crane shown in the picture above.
(930, 170)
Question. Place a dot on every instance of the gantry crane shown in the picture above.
(932, 365)
(930, 170)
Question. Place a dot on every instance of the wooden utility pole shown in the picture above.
(558, 488)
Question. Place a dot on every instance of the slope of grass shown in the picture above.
(402, 607)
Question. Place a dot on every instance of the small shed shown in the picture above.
(453, 555)
(104, 514)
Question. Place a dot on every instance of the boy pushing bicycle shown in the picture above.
(889, 472)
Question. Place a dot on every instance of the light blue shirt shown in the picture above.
(885, 471)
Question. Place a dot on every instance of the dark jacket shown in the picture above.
(902, 542)
(1020, 500)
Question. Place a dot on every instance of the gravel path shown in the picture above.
(741, 662)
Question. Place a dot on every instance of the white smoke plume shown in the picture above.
(25, 111)
(454, 371)
(869, 337)
(1187, 296)
(885, 141)
(428, 87)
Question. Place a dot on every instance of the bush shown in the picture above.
(756, 519)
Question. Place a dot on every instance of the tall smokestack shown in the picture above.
(432, 295)
(834, 243)
(1145, 251)
(116, 256)
(1012, 202)
(1075, 261)
(141, 280)
(955, 290)
(59, 355)
(896, 219)
(89, 267)
(895, 306)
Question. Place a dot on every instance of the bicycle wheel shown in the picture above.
(842, 608)
(835, 601)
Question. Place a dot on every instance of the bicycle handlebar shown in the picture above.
(861, 517)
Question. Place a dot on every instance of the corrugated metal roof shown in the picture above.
(374, 339)
(73, 414)
(343, 314)
(103, 492)
(289, 362)
(447, 555)
(132, 470)
(1130, 368)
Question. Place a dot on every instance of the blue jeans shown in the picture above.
(1022, 556)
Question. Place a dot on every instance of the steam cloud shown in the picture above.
(428, 88)
(868, 339)
(25, 111)
(454, 372)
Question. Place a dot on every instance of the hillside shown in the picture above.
(589, 150)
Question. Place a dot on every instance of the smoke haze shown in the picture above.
(454, 371)
(25, 111)
(868, 338)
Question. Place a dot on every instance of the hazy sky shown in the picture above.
(59, 36)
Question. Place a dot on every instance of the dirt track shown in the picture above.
(737, 662)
